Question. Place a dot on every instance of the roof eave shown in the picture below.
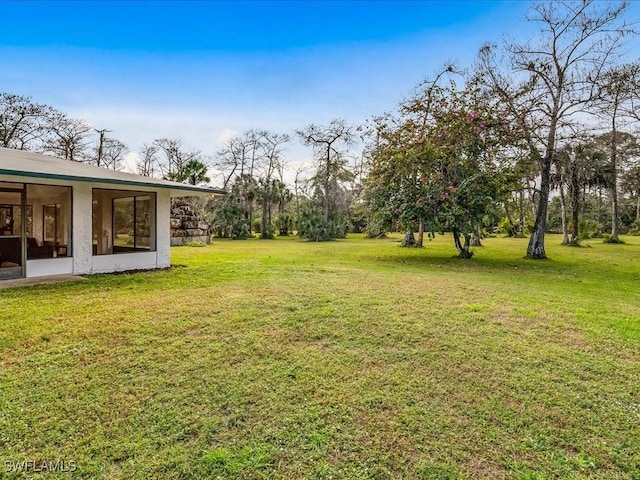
(174, 187)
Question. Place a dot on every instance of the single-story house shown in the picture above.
(64, 217)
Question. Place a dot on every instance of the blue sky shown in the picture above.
(202, 71)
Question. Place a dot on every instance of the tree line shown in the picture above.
(550, 121)
(37, 127)
(251, 167)
(533, 137)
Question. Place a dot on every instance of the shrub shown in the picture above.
(635, 228)
(609, 239)
(311, 226)
(285, 224)
(269, 232)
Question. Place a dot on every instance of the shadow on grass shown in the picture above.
(422, 259)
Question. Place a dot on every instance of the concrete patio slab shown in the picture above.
(27, 282)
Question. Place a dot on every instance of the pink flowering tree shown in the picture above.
(440, 169)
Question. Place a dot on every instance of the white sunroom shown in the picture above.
(62, 217)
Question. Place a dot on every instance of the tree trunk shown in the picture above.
(614, 215)
(456, 239)
(409, 239)
(476, 238)
(535, 249)
(264, 226)
(614, 183)
(575, 220)
(326, 188)
(575, 214)
(521, 224)
(420, 240)
(599, 209)
(463, 250)
(563, 216)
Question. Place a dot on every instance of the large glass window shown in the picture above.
(132, 223)
(123, 221)
(48, 221)
(35, 223)
(143, 222)
(8, 224)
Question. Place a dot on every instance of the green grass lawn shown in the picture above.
(354, 359)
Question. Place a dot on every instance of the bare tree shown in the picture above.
(149, 158)
(232, 157)
(558, 73)
(328, 143)
(23, 123)
(298, 187)
(69, 137)
(113, 152)
(269, 162)
(100, 148)
(175, 157)
(269, 153)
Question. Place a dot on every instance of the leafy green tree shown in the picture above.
(284, 224)
(445, 171)
(631, 185)
(617, 147)
(249, 191)
(269, 193)
(616, 88)
(230, 217)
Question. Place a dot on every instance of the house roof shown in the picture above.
(19, 163)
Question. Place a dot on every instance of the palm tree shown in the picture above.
(193, 172)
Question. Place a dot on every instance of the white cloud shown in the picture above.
(130, 162)
(226, 134)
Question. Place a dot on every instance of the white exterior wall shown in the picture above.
(49, 266)
(163, 228)
(121, 262)
(81, 228)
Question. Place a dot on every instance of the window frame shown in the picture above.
(151, 197)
